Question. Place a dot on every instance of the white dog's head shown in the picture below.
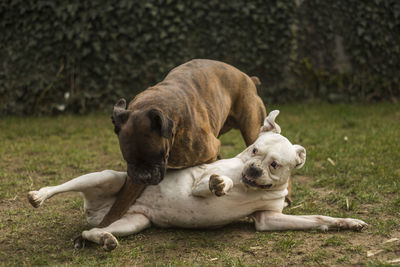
(272, 157)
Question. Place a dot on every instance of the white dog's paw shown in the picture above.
(36, 198)
(352, 224)
(108, 241)
(220, 185)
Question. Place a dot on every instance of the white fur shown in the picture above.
(187, 198)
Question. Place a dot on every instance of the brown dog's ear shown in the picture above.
(161, 123)
(120, 115)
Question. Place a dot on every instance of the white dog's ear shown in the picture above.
(300, 156)
(270, 124)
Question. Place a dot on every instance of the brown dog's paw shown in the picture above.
(219, 186)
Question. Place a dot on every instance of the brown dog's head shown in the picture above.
(144, 138)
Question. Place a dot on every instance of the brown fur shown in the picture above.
(128, 194)
(204, 99)
(200, 96)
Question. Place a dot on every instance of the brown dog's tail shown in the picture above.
(255, 80)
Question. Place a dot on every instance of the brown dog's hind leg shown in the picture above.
(251, 119)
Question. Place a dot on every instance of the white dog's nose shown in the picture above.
(254, 172)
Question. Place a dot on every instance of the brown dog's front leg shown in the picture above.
(125, 198)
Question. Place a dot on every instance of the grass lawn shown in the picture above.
(360, 180)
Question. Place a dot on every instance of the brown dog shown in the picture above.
(176, 123)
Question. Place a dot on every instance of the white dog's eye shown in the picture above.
(255, 150)
(274, 165)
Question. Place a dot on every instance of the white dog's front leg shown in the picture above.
(275, 221)
(104, 183)
(212, 184)
(129, 224)
(220, 184)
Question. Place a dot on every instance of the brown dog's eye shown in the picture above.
(255, 150)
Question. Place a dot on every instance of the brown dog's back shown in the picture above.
(204, 98)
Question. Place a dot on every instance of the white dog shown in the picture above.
(254, 184)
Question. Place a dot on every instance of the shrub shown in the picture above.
(83, 55)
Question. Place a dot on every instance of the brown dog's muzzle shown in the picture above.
(146, 174)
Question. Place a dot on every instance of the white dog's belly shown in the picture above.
(190, 211)
(172, 204)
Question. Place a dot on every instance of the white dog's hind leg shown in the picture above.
(212, 184)
(275, 221)
(127, 225)
(104, 183)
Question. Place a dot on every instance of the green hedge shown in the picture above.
(368, 32)
(99, 51)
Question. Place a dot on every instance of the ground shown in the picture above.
(352, 170)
